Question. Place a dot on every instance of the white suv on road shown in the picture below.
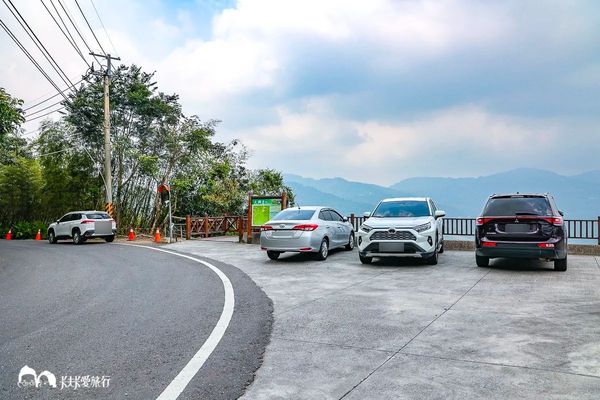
(402, 227)
(82, 225)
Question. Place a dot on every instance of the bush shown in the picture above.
(25, 229)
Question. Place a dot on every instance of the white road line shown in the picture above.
(184, 377)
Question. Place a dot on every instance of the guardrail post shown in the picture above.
(205, 225)
(188, 227)
(598, 231)
(352, 218)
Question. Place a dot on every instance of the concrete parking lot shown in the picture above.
(408, 330)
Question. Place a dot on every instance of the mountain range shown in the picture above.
(578, 196)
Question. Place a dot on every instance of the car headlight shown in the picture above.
(423, 228)
(365, 228)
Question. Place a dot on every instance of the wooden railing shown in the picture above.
(214, 226)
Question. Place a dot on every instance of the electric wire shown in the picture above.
(60, 3)
(103, 27)
(46, 114)
(43, 109)
(67, 34)
(89, 26)
(51, 97)
(26, 52)
(37, 42)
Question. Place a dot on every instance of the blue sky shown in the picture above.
(374, 91)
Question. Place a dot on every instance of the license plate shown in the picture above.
(391, 247)
(517, 228)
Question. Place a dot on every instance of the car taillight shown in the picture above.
(305, 227)
(266, 228)
(558, 221)
(488, 244)
(482, 221)
(88, 221)
(546, 245)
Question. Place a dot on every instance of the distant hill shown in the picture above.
(578, 195)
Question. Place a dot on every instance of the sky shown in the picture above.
(373, 91)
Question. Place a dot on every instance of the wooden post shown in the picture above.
(225, 223)
(205, 225)
(240, 228)
(249, 224)
(188, 227)
(284, 200)
(352, 219)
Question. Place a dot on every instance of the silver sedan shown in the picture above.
(306, 230)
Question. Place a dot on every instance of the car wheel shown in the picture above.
(109, 239)
(323, 250)
(364, 259)
(560, 264)
(51, 237)
(441, 250)
(273, 255)
(482, 261)
(350, 245)
(433, 259)
(77, 239)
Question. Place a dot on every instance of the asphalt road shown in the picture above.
(131, 314)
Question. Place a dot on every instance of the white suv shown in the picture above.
(82, 225)
(402, 227)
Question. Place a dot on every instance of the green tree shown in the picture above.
(11, 118)
(20, 191)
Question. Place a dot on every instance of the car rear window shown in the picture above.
(294, 214)
(525, 205)
(407, 208)
(97, 216)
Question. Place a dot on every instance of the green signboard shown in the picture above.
(264, 209)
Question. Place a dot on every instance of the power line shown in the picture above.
(75, 26)
(89, 26)
(103, 27)
(51, 97)
(67, 34)
(43, 109)
(37, 65)
(37, 42)
(43, 115)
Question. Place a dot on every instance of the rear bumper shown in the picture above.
(92, 234)
(306, 242)
(522, 250)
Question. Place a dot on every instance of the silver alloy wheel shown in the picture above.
(51, 237)
(76, 238)
(351, 241)
(324, 249)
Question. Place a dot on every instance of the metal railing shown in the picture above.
(586, 229)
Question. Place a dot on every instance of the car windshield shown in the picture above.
(501, 206)
(97, 216)
(405, 208)
(294, 214)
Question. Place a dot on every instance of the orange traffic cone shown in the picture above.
(38, 236)
(9, 234)
(157, 236)
(131, 234)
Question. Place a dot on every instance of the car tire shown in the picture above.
(441, 250)
(560, 264)
(109, 239)
(51, 237)
(351, 241)
(482, 261)
(365, 259)
(77, 238)
(433, 259)
(273, 255)
(323, 250)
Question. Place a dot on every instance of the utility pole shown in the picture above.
(107, 149)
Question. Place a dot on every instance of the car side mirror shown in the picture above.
(562, 214)
(440, 214)
(345, 219)
(367, 214)
(58, 221)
